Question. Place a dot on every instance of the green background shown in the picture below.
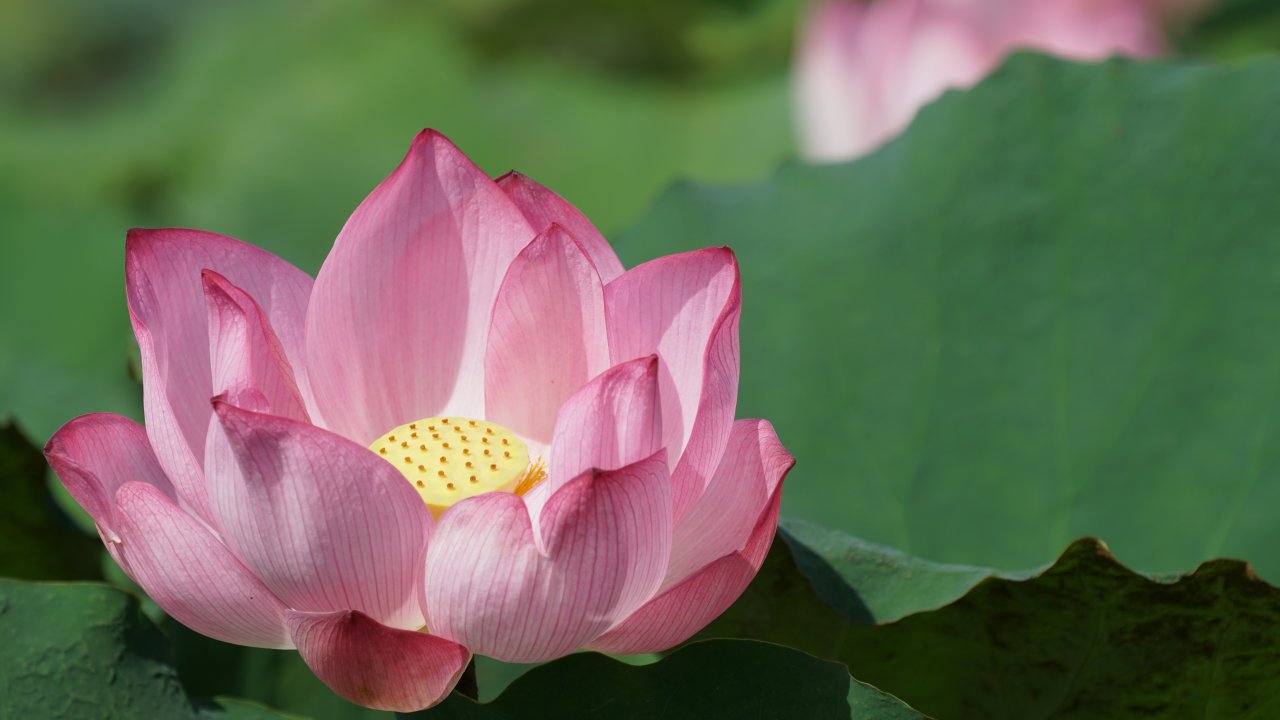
(1045, 312)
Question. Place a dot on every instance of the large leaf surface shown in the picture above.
(1044, 312)
(86, 650)
(83, 650)
(714, 679)
(871, 583)
(709, 679)
(1084, 638)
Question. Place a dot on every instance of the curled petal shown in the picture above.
(399, 319)
(520, 593)
(548, 335)
(753, 465)
(249, 365)
(93, 455)
(170, 319)
(377, 666)
(613, 421)
(685, 309)
(191, 575)
(325, 523)
(543, 208)
(688, 606)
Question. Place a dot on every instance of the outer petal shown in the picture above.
(93, 455)
(248, 362)
(326, 524)
(193, 576)
(400, 316)
(548, 335)
(376, 666)
(504, 589)
(675, 615)
(543, 207)
(684, 308)
(720, 522)
(167, 307)
(613, 421)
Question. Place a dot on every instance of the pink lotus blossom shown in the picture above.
(863, 69)
(474, 431)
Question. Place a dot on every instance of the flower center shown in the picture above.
(450, 459)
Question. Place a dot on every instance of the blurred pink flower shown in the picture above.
(473, 432)
(863, 69)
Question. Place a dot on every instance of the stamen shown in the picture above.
(456, 467)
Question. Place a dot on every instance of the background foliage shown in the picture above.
(1043, 313)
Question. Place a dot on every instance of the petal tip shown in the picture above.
(432, 141)
(511, 177)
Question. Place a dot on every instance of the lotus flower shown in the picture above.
(862, 70)
(474, 432)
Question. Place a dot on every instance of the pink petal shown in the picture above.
(93, 455)
(543, 207)
(1083, 31)
(376, 666)
(682, 610)
(400, 316)
(941, 50)
(684, 308)
(505, 589)
(548, 335)
(832, 88)
(862, 71)
(167, 307)
(325, 523)
(614, 421)
(248, 363)
(191, 575)
(722, 520)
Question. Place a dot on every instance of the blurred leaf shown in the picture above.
(1044, 312)
(670, 40)
(84, 650)
(1232, 29)
(714, 679)
(58, 55)
(37, 541)
(270, 122)
(1084, 638)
